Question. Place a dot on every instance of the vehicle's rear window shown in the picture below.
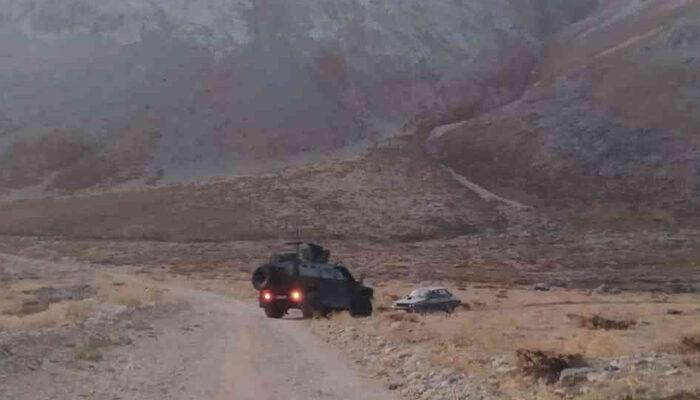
(309, 271)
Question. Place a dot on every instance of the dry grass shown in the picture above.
(539, 320)
(635, 389)
(20, 308)
(55, 315)
(124, 291)
(322, 201)
(692, 362)
(402, 316)
(470, 340)
(597, 322)
(682, 395)
(91, 348)
(691, 343)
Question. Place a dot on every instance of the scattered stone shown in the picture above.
(506, 370)
(611, 368)
(54, 295)
(32, 307)
(541, 287)
(545, 365)
(414, 376)
(574, 376)
(605, 289)
(691, 343)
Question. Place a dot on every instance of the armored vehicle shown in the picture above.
(305, 280)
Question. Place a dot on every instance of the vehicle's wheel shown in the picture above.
(361, 307)
(312, 306)
(273, 311)
(448, 308)
(261, 277)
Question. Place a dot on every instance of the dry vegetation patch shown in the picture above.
(547, 365)
(402, 316)
(682, 395)
(596, 322)
(48, 305)
(691, 343)
(54, 315)
(90, 349)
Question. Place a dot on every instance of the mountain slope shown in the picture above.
(610, 129)
(389, 193)
(221, 86)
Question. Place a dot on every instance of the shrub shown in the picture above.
(691, 343)
(596, 322)
(546, 365)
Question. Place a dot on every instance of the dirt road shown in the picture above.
(211, 348)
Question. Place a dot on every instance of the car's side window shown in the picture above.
(327, 273)
(337, 274)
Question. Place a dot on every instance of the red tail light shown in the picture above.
(296, 296)
(266, 296)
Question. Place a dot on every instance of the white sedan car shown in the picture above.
(427, 299)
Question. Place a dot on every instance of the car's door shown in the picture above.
(330, 294)
(444, 297)
(451, 299)
(432, 299)
(343, 289)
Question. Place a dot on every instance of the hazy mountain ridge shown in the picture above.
(225, 84)
(588, 107)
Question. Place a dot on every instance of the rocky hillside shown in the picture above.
(184, 89)
(609, 128)
(584, 111)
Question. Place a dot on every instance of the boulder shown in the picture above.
(574, 376)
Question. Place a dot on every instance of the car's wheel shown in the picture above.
(448, 308)
(272, 311)
(361, 307)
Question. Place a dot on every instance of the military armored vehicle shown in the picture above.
(305, 280)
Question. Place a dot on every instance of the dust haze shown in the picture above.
(539, 159)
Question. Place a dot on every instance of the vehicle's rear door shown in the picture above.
(330, 293)
(343, 289)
